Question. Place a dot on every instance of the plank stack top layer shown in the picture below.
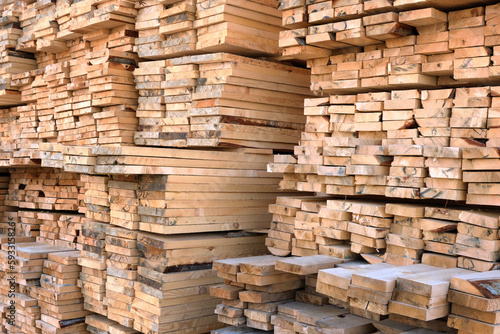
(220, 100)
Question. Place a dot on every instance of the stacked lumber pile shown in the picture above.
(370, 292)
(413, 296)
(444, 163)
(318, 319)
(353, 48)
(216, 181)
(4, 209)
(93, 262)
(332, 235)
(167, 206)
(306, 220)
(59, 297)
(175, 276)
(421, 152)
(238, 27)
(175, 28)
(49, 228)
(121, 265)
(399, 123)
(40, 188)
(29, 225)
(83, 91)
(335, 282)
(424, 296)
(369, 225)
(425, 35)
(396, 233)
(93, 249)
(477, 240)
(30, 258)
(252, 291)
(474, 304)
(121, 249)
(70, 231)
(220, 100)
(9, 132)
(308, 267)
(12, 62)
(96, 197)
(148, 44)
(281, 233)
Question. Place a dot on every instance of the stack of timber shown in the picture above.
(49, 228)
(175, 274)
(369, 163)
(480, 165)
(70, 231)
(121, 266)
(417, 155)
(281, 233)
(148, 43)
(75, 66)
(60, 299)
(93, 261)
(83, 91)
(121, 249)
(220, 100)
(306, 220)
(58, 229)
(27, 139)
(335, 282)
(172, 28)
(369, 226)
(423, 296)
(355, 47)
(30, 259)
(332, 235)
(247, 27)
(477, 241)
(404, 241)
(166, 92)
(297, 317)
(177, 27)
(9, 132)
(407, 171)
(96, 197)
(29, 225)
(370, 292)
(40, 188)
(308, 267)
(474, 304)
(12, 62)
(196, 195)
(439, 232)
(444, 163)
(252, 291)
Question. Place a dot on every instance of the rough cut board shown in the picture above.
(384, 280)
(308, 264)
(480, 284)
